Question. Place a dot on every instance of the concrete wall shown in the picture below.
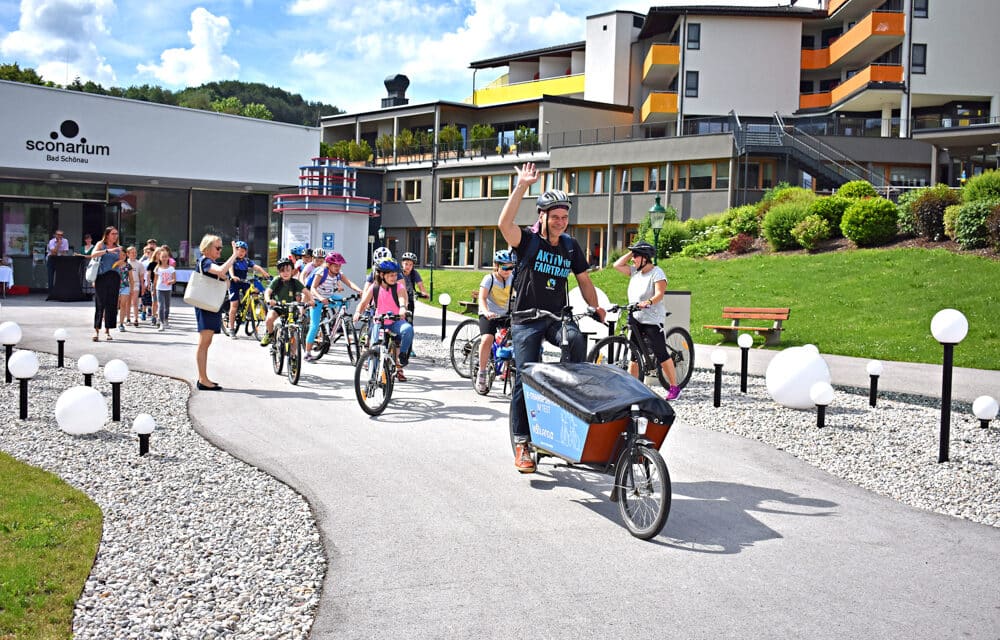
(609, 40)
(662, 150)
(350, 237)
(554, 118)
(962, 49)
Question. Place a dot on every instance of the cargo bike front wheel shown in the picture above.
(642, 490)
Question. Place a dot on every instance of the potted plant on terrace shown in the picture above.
(484, 137)
(450, 141)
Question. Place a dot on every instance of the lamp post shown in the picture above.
(445, 300)
(986, 409)
(23, 365)
(657, 214)
(381, 236)
(115, 372)
(745, 341)
(431, 243)
(88, 365)
(874, 369)
(61, 335)
(718, 359)
(10, 334)
(143, 425)
(948, 327)
(821, 394)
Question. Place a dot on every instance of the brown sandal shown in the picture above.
(96, 338)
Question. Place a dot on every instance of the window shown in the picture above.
(694, 36)
(920, 8)
(403, 191)
(701, 176)
(680, 177)
(634, 179)
(499, 186)
(658, 178)
(722, 175)
(602, 178)
(451, 188)
(691, 84)
(918, 61)
(472, 187)
(411, 190)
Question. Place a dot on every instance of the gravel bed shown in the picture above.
(196, 544)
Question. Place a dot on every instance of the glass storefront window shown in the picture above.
(53, 190)
(152, 213)
(230, 215)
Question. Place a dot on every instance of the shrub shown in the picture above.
(904, 209)
(993, 228)
(673, 235)
(950, 213)
(869, 222)
(484, 137)
(928, 210)
(783, 195)
(811, 231)
(742, 220)
(742, 243)
(701, 225)
(985, 186)
(341, 149)
(857, 189)
(831, 209)
(358, 151)
(706, 247)
(450, 138)
(779, 222)
(970, 228)
(645, 226)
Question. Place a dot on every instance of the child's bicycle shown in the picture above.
(501, 364)
(335, 324)
(375, 371)
(619, 351)
(288, 340)
(250, 313)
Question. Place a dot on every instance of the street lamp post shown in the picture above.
(948, 327)
(657, 215)
(431, 243)
(381, 236)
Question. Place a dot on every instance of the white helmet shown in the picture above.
(381, 254)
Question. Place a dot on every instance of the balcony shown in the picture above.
(504, 93)
(661, 65)
(876, 34)
(660, 106)
(857, 84)
(851, 9)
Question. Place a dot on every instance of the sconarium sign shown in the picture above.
(62, 146)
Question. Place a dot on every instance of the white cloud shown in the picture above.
(204, 61)
(310, 59)
(311, 7)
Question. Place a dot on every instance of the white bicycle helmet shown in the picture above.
(409, 255)
(381, 255)
(553, 198)
(502, 256)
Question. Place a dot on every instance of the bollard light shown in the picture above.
(115, 372)
(948, 327)
(81, 410)
(745, 341)
(88, 366)
(143, 425)
(874, 369)
(985, 409)
(23, 365)
(821, 393)
(445, 300)
(10, 334)
(61, 335)
(719, 360)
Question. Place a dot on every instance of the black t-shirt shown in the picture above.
(542, 283)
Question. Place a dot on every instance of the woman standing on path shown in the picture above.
(210, 322)
(107, 284)
(86, 250)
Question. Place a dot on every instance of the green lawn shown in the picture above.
(875, 303)
(49, 533)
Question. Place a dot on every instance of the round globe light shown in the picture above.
(949, 326)
(10, 333)
(821, 393)
(116, 371)
(719, 357)
(874, 368)
(792, 373)
(143, 424)
(88, 364)
(81, 410)
(23, 365)
(985, 408)
(745, 341)
(444, 299)
(60, 334)
(811, 348)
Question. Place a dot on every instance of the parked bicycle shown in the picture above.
(288, 340)
(335, 325)
(501, 363)
(251, 312)
(375, 370)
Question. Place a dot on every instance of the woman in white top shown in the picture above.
(647, 286)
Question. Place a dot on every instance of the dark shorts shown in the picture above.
(236, 291)
(208, 320)
(489, 326)
(655, 339)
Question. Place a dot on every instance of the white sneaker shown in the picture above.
(481, 382)
(121, 328)
(160, 328)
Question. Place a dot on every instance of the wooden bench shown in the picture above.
(772, 334)
(471, 306)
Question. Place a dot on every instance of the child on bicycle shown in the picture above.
(326, 287)
(646, 287)
(310, 266)
(412, 280)
(239, 283)
(388, 295)
(282, 290)
(494, 297)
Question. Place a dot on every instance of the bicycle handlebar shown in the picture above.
(566, 314)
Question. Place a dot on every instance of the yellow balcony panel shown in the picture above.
(660, 106)
(877, 33)
(561, 86)
(661, 64)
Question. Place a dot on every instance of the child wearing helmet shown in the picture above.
(297, 253)
(646, 287)
(412, 280)
(388, 295)
(308, 266)
(326, 288)
(283, 289)
(239, 282)
(494, 301)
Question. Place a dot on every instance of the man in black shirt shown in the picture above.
(546, 257)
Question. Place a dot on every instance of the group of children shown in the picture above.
(146, 286)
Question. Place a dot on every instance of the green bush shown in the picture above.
(950, 214)
(358, 151)
(857, 189)
(831, 209)
(698, 226)
(985, 186)
(645, 226)
(904, 209)
(742, 220)
(706, 247)
(811, 231)
(673, 235)
(993, 228)
(928, 210)
(869, 222)
(783, 195)
(971, 230)
(779, 222)
(341, 149)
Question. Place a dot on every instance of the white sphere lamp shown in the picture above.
(745, 341)
(985, 408)
(949, 326)
(81, 410)
(792, 373)
(444, 299)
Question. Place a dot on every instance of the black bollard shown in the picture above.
(116, 401)
(88, 379)
(24, 398)
(143, 444)
(8, 350)
(744, 360)
(717, 399)
(444, 320)
(949, 353)
(873, 391)
(59, 353)
(820, 416)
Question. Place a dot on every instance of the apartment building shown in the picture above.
(704, 106)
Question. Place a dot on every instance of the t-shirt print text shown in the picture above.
(552, 264)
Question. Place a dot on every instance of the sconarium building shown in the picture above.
(81, 162)
(705, 106)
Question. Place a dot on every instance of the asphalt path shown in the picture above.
(431, 533)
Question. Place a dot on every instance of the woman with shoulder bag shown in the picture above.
(210, 322)
(107, 284)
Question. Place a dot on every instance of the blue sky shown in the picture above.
(334, 51)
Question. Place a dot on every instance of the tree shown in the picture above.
(257, 110)
(484, 137)
(14, 73)
(232, 106)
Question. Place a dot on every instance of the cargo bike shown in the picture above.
(599, 417)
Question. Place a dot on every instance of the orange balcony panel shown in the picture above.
(661, 64)
(836, 4)
(659, 106)
(815, 100)
(874, 73)
(815, 59)
(878, 24)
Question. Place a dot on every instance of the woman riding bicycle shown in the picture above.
(647, 286)
(326, 286)
(389, 296)
(494, 298)
(239, 282)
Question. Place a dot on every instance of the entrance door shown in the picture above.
(27, 228)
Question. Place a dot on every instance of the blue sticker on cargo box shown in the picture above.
(552, 427)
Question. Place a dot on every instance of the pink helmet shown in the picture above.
(335, 258)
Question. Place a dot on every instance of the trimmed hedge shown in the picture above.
(781, 195)
(811, 231)
(779, 222)
(904, 208)
(869, 222)
(985, 186)
(742, 220)
(993, 228)
(928, 210)
(831, 209)
(971, 230)
(950, 214)
(857, 189)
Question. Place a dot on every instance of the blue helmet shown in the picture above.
(241, 245)
(387, 266)
(298, 250)
(503, 256)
